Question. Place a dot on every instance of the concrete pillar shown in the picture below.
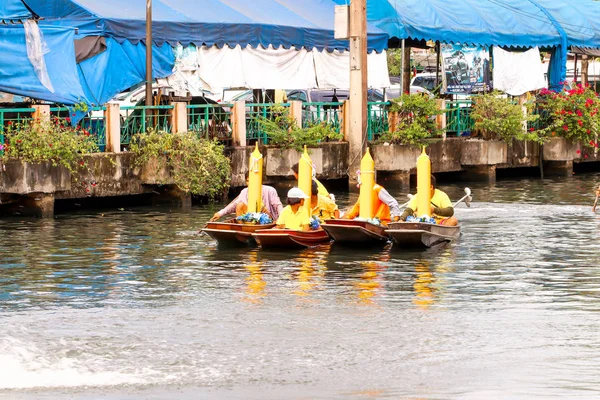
(179, 117)
(42, 112)
(238, 121)
(38, 204)
(296, 112)
(441, 118)
(112, 121)
(558, 168)
(479, 173)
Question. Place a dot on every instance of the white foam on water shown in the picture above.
(24, 366)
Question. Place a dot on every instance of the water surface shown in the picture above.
(135, 304)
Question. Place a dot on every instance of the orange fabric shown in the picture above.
(381, 210)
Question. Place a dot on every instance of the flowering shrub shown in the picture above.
(415, 120)
(572, 114)
(198, 165)
(55, 141)
(497, 117)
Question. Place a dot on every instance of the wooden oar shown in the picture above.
(466, 198)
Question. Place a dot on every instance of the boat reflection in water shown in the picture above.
(371, 280)
(255, 281)
(311, 271)
(430, 281)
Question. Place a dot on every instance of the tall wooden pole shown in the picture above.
(148, 52)
(357, 137)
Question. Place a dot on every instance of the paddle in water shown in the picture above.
(596, 201)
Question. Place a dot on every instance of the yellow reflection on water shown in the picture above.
(255, 281)
(370, 283)
(430, 282)
(310, 271)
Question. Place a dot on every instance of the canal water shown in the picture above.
(132, 304)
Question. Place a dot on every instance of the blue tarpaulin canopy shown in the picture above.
(18, 74)
(287, 23)
(13, 10)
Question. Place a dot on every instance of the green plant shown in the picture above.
(198, 165)
(282, 131)
(55, 141)
(572, 114)
(412, 120)
(498, 117)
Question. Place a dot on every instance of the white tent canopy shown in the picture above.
(216, 68)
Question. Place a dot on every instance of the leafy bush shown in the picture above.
(282, 131)
(415, 120)
(572, 114)
(55, 141)
(198, 165)
(499, 118)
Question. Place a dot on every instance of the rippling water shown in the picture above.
(135, 304)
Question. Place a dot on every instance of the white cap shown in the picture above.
(296, 193)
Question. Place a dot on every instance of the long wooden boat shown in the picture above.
(349, 231)
(288, 238)
(232, 232)
(421, 234)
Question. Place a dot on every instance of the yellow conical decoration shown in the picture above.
(423, 184)
(255, 172)
(305, 167)
(367, 177)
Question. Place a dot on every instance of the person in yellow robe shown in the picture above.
(292, 216)
(322, 206)
(441, 207)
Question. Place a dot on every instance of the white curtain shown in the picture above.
(216, 68)
(518, 73)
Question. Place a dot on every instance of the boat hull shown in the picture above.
(290, 239)
(233, 233)
(347, 231)
(421, 235)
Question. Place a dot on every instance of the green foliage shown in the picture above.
(572, 114)
(415, 120)
(498, 118)
(282, 131)
(198, 165)
(80, 106)
(55, 141)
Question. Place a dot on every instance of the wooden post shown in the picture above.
(441, 118)
(296, 112)
(112, 122)
(346, 119)
(358, 84)
(406, 75)
(179, 117)
(42, 112)
(585, 63)
(238, 121)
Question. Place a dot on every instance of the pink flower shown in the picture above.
(1, 147)
(578, 152)
(565, 127)
(580, 122)
(585, 156)
(579, 113)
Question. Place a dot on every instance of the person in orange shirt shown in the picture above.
(385, 207)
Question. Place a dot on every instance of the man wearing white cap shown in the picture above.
(292, 217)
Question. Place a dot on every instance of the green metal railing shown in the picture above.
(257, 111)
(329, 113)
(12, 116)
(458, 117)
(377, 119)
(211, 121)
(139, 119)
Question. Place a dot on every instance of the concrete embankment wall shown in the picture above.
(33, 188)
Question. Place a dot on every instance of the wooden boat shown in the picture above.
(420, 234)
(288, 238)
(232, 232)
(349, 231)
